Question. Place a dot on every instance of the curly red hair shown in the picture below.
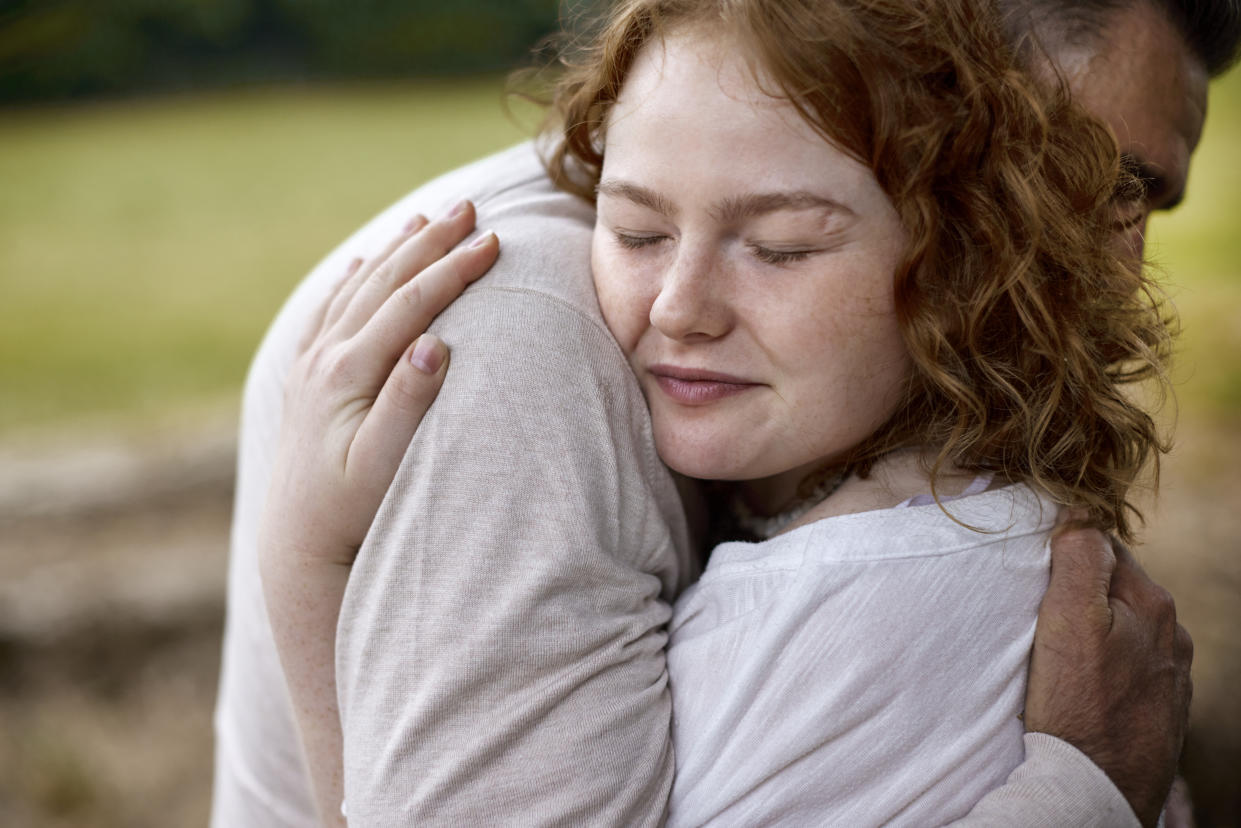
(1023, 325)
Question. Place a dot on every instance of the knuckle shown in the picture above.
(386, 275)
(312, 360)
(411, 295)
(436, 240)
(335, 366)
(410, 391)
(1184, 644)
(1161, 601)
(335, 306)
(460, 266)
(1089, 546)
(439, 251)
(442, 236)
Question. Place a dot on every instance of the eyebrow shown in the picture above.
(730, 209)
(756, 204)
(637, 194)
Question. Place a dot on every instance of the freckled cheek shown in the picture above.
(620, 300)
(890, 367)
(888, 356)
(853, 350)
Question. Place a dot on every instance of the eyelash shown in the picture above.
(779, 257)
(637, 242)
(763, 254)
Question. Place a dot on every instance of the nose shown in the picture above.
(691, 304)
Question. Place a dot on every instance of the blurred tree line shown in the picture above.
(55, 49)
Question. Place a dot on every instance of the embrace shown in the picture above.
(782, 468)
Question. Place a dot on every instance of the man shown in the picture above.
(499, 646)
(1141, 66)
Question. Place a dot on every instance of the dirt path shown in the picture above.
(112, 578)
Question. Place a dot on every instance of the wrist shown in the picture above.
(1142, 802)
(1082, 779)
(297, 571)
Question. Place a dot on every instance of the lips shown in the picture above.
(691, 386)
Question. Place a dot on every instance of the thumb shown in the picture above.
(385, 434)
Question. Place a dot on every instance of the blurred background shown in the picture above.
(169, 169)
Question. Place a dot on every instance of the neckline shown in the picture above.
(914, 531)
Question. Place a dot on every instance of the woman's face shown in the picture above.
(746, 268)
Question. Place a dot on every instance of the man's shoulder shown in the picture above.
(544, 236)
(495, 183)
(514, 170)
(544, 232)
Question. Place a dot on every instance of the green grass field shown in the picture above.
(1198, 247)
(145, 245)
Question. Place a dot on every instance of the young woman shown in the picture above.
(862, 268)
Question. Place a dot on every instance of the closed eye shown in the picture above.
(778, 257)
(630, 241)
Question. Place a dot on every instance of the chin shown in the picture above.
(706, 461)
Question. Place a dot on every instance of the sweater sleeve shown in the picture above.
(500, 654)
(1056, 785)
(500, 648)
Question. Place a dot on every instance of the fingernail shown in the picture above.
(460, 208)
(414, 223)
(483, 239)
(428, 354)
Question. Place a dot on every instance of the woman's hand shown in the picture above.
(365, 375)
(364, 378)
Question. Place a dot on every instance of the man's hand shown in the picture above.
(1109, 673)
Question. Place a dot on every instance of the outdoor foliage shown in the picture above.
(52, 49)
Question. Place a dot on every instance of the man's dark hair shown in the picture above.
(1211, 28)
